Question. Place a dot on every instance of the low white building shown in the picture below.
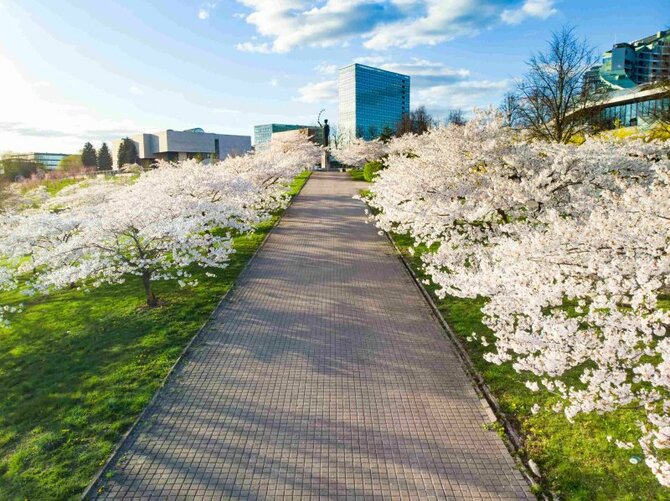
(176, 145)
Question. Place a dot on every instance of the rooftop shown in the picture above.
(372, 68)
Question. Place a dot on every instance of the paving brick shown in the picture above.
(323, 375)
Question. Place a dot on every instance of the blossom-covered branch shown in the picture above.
(157, 227)
(569, 244)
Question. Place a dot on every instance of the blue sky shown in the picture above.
(73, 71)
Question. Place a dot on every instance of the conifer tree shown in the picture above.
(127, 152)
(89, 158)
(104, 158)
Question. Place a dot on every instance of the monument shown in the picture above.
(325, 130)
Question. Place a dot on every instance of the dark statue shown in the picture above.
(326, 133)
(325, 128)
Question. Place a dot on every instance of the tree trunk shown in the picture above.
(151, 297)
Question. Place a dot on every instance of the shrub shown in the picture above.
(370, 169)
(17, 168)
(71, 163)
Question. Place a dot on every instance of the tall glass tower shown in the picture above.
(371, 99)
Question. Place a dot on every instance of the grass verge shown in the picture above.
(577, 461)
(77, 369)
(357, 174)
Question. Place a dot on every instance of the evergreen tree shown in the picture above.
(104, 158)
(89, 158)
(127, 152)
(121, 154)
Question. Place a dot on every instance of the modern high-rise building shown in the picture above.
(371, 100)
(263, 133)
(626, 77)
(628, 65)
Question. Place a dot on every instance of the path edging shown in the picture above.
(179, 362)
(514, 442)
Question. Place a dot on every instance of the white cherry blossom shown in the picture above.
(155, 226)
(568, 243)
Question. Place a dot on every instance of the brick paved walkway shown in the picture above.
(323, 375)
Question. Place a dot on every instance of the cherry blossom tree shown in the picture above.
(359, 152)
(570, 246)
(270, 170)
(157, 227)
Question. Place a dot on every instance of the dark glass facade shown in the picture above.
(371, 99)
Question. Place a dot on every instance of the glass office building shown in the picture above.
(626, 78)
(263, 133)
(371, 99)
(627, 65)
(49, 160)
(631, 109)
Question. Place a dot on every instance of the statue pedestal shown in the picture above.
(325, 160)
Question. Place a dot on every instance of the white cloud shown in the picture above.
(380, 24)
(206, 9)
(531, 8)
(441, 88)
(262, 48)
(371, 60)
(325, 68)
(424, 68)
(424, 73)
(274, 82)
(135, 90)
(293, 23)
(465, 95)
(440, 21)
(320, 92)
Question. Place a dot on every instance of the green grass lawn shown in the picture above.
(577, 460)
(357, 174)
(76, 369)
(53, 186)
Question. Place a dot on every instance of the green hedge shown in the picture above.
(370, 169)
